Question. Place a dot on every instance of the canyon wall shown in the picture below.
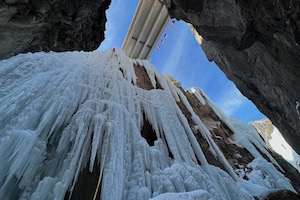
(57, 25)
(256, 44)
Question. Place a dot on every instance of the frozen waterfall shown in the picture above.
(64, 112)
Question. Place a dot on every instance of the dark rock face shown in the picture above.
(290, 172)
(57, 25)
(256, 44)
(283, 195)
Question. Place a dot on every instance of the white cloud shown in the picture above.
(230, 100)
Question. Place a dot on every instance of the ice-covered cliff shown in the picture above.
(100, 125)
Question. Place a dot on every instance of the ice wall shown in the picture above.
(62, 112)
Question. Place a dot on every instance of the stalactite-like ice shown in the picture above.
(246, 137)
(197, 93)
(62, 112)
(244, 134)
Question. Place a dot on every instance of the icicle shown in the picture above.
(266, 175)
(244, 134)
(207, 135)
(62, 112)
(218, 111)
(198, 95)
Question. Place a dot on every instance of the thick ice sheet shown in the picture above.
(62, 112)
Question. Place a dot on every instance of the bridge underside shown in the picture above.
(148, 24)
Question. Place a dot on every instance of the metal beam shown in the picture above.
(152, 30)
(149, 22)
(133, 24)
(143, 29)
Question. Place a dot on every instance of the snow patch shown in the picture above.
(280, 146)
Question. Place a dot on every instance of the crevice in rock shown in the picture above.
(143, 81)
(295, 30)
(85, 187)
(148, 133)
(158, 86)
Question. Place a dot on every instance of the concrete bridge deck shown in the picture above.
(149, 22)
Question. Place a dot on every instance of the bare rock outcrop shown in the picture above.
(57, 25)
(256, 44)
(265, 128)
(282, 195)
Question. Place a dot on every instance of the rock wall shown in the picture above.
(265, 128)
(57, 25)
(256, 44)
(283, 194)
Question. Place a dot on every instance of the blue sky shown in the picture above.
(182, 57)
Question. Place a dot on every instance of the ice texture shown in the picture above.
(280, 146)
(244, 134)
(197, 92)
(63, 112)
(194, 195)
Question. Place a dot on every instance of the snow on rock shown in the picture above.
(196, 92)
(280, 146)
(61, 113)
(265, 174)
(244, 134)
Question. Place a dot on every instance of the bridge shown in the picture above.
(150, 20)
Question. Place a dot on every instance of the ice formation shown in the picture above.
(63, 112)
(279, 145)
